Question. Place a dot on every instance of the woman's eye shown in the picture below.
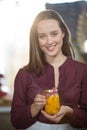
(54, 34)
(41, 37)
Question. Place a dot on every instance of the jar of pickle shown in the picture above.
(52, 101)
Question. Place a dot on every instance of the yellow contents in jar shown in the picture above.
(53, 104)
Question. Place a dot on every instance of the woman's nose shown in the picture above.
(49, 40)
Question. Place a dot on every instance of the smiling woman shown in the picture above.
(28, 99)
(51, 65)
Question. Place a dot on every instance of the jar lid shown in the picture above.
(49, 90)
(53, 90)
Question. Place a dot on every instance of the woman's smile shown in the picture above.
(51, 47)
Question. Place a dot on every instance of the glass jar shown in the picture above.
(52, 101)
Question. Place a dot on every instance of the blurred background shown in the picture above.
(16, 17)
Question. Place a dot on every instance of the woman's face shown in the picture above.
(50, 37)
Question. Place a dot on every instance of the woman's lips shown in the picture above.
(51, 48)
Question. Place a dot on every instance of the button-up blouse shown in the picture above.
(72, 90)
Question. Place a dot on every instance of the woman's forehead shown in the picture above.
(50, 24)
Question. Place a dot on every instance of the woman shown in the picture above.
(51, 65)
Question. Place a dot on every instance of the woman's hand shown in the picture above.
(37, 106)
(64, 110)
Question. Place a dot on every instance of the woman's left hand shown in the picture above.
(58, 116)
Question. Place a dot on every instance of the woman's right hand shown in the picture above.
(39, 103)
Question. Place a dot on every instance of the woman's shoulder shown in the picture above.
(78, 64)
(22, 71)
(23, 74)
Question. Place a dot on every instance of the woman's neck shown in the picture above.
(56, 61)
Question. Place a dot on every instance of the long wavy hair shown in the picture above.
(37, 56)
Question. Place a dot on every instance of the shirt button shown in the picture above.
(78, 106)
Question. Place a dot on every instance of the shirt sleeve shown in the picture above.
(21, 112)
(79, 117)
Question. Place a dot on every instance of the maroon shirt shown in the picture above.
(72, 90)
